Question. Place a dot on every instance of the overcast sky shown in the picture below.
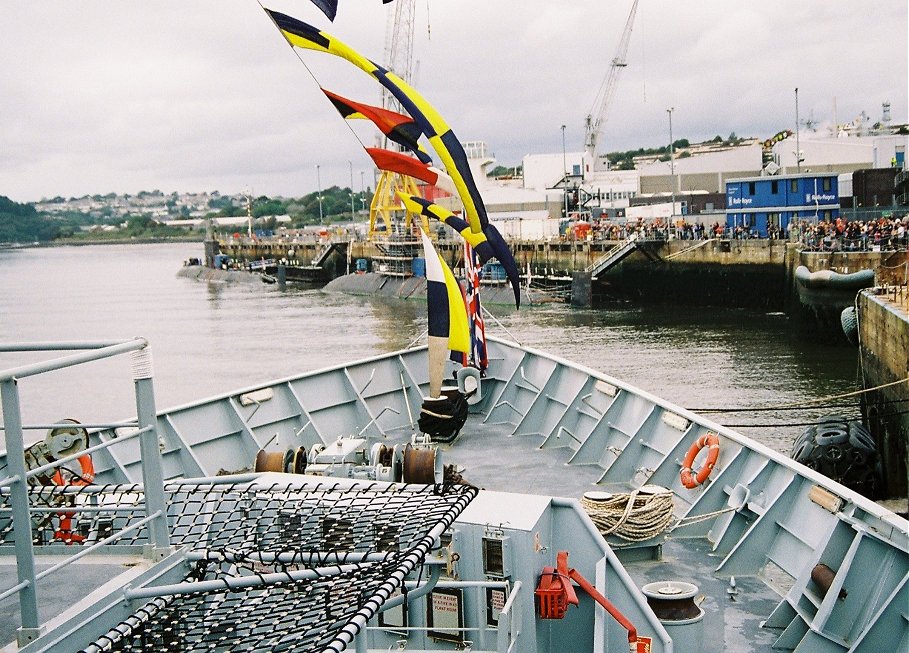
(99, 97)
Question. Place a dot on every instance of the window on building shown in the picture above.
(793, 185)
(828, 184)
(774, 187)
(751, 188)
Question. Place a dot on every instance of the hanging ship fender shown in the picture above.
(843, 450)
(849, 323)
(689, 478)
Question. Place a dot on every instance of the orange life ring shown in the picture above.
(710, 440)
(86, 477)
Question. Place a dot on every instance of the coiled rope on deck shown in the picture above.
(639, 515)
(634, 517)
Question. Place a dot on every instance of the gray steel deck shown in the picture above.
(494, 459)
(550, 427)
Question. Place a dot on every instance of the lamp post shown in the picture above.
(671, 163)
(319, 186)
(352, 210)
(798, 150)
(564, 173)
(362, 192)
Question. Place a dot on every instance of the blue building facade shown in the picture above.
(765, 204)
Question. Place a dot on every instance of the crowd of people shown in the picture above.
(839, 234)
(855, 235)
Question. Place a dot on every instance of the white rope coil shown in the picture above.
(634, 517)
(141, 363)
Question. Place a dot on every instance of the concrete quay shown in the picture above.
(883, 327)
(756, 273)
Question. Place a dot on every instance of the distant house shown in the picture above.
(759, 203)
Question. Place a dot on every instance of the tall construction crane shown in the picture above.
(385, 208)
(399, 46)
(597, 115)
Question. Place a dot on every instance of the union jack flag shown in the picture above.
(474, 313)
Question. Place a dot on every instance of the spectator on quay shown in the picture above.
(883, 232)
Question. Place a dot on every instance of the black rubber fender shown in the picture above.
(842, 450)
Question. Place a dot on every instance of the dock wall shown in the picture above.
(758, 273)
(883, 323)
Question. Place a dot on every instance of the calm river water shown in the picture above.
(210, 338)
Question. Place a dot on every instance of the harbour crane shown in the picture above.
(597, 115)
(385, 207)
(399, 46)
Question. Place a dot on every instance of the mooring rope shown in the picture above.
(806, 404)
(633, 517)
(639, 516)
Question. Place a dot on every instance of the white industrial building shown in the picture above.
(517, 211)
(530, 206)
(821, 153)
(614, 187)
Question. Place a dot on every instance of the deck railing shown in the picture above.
(16, 484)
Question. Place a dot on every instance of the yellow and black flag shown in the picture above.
(440, 136)
(488, 244)
(431, 124)
(447, 315)
(416, 204)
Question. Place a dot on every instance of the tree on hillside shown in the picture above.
(265, 206)
(21, 223)
(503, 171)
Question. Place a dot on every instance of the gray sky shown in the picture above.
(206, 95)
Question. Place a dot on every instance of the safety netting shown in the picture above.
(294, 566)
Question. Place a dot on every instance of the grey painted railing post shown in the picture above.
(22, 521)
(152, 469)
